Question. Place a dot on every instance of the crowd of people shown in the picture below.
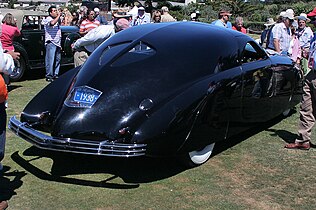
(288, 35)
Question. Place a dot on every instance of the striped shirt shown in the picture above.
(52, 33)
(87, 25)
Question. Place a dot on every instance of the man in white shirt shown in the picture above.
(281, 35)
(86, 45)
(142, 18)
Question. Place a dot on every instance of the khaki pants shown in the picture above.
(307, 108)
(80, 57)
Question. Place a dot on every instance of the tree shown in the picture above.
(11, 3)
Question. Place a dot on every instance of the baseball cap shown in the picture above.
(312, 13)
(224, 12)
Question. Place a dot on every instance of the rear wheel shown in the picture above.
(19, 70)
(198, 157)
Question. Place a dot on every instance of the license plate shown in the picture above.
(86, 97)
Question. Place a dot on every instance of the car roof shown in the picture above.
(188, 36)
(179, 30)
(19, 14)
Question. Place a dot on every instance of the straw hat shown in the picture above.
(303, 16)
(289, 15)
(120, 13)
(269, 22)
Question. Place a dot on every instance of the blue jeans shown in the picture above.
(52, 60)
(3, 122)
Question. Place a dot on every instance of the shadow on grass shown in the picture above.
(8, 187)
(226, 144)
(12, 87)
(132, 171)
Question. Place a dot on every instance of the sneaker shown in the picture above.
(298, 145)
(3, 205)
(56, 77)
(48, 79)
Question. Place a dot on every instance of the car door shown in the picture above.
(257, 76)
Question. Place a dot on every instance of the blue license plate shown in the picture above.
(85, 96)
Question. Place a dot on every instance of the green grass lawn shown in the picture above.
(251, 171)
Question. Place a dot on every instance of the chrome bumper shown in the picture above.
(104, 148)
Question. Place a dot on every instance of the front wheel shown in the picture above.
(286, 113)
(19, 69)
(198, 157)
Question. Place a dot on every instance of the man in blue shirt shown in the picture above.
(223, 19)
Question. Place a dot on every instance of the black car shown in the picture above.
(31, 43)
(160, 90)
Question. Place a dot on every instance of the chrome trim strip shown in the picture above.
(104, 148)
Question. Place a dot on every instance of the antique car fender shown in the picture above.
(40, 115)
(70, 39)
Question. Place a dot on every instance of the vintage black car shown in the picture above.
(159, 90)
(31, 42)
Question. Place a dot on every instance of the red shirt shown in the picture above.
(87, 25)
(8, 33)
(242, 30)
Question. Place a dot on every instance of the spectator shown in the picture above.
(52, 43)
(165, 16)
(265, 35)
(97, 11)
(304, 34)
(280, 17)
(308, 103)
(195, 16)
(83, 10)
(89, 23)
(6, 63)
(86, 45)
(281, 35)
(102, 17)
(67, 17)
(294, 51)
(9, 31)
(291, 11)
(223, 19)
(238, 26)
(75, 19)
(156, 16)
(121, 14)
(141, 18)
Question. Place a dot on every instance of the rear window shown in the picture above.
(139, 52)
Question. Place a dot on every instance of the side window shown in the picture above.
(252, 52)
(31, 23)
(226, 62)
